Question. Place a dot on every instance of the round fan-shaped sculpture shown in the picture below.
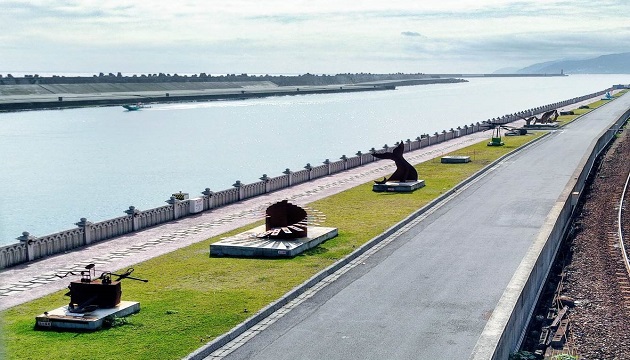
(288, 221)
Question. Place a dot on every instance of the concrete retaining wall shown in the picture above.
(31, 248)
(504, 333)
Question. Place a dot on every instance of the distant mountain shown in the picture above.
(506, 70)
(605, 64)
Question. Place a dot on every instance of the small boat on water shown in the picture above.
(134, 107)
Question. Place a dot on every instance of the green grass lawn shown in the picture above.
(565, 119)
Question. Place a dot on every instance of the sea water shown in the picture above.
(57, 166)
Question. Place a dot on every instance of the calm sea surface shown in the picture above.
(57, 166)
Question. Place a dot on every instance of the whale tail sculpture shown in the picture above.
(404, 170)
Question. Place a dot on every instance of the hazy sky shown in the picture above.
(316, 36)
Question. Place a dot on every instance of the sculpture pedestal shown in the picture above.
(61, 318)
(457, 159)
(246, 244)
(395, 186)
(549, 126)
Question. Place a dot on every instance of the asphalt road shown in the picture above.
(429, 293)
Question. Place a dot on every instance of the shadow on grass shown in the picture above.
(314, 251)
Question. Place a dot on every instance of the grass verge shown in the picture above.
(565, 119)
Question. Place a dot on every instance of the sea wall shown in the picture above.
(30, 248)
(36, 97)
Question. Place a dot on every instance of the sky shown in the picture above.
(297, 37)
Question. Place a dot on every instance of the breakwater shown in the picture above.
(280, 80)
(31, 248)
(110, 95)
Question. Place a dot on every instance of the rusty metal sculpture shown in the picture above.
(404, 170)
(546, 118)
(286, 221)
(529, 120)
(92, 293)
(549, 117)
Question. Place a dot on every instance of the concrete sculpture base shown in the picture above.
(455, 159)
(550, 126)
(394, 186)
(61, 318)
(246, 244)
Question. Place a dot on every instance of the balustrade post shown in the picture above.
(174, 201)
(289, 175)
(86, 226)
(360, 155)
(208, 198)
(28, 240)
(135, 217)
(310, 171)
(266, 180)
(239, 186)
(344, 159)
(327, 162)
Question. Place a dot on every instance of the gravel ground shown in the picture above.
(595, 275)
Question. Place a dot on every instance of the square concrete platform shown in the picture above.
(246, 244)
(395, 186)
(457, 159)
(61, 318)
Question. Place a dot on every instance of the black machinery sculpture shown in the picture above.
(496, 132)
(404, 170)
(91, 293)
